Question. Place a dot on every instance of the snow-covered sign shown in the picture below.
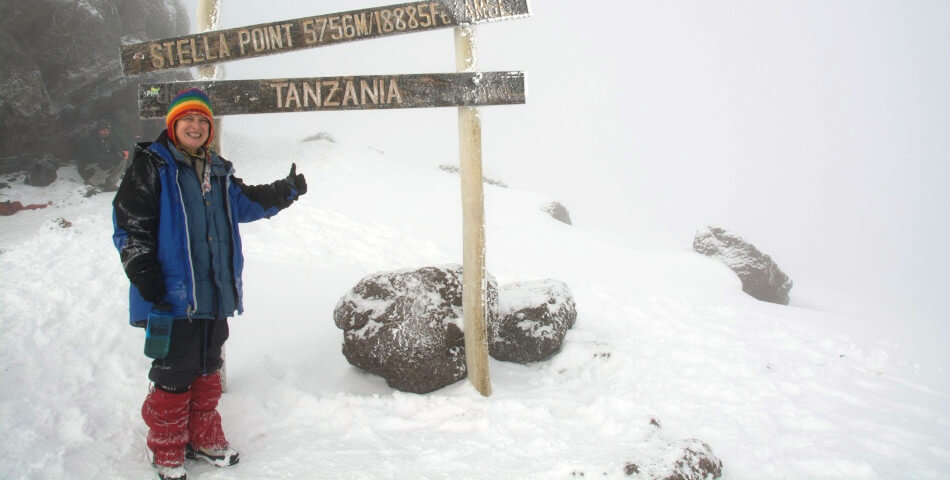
(311, 32)
(372, 92)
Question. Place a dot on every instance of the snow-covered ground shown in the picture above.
(778, 392)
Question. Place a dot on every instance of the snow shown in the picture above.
(776, 391)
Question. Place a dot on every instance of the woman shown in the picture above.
(176, 217)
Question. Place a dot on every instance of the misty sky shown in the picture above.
(816, 129)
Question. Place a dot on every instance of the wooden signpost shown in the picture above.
(311, 32)
(375, 92)
(474, 277)
(467, 89)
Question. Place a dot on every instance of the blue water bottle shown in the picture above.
(158, 331)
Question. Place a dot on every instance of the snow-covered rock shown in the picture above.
(533, 319)
(761, 277)
(405, 326)
(558, 212)
(684, 460)
(320, 136)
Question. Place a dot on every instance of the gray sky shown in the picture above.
(816, 129)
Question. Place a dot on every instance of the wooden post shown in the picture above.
(209, 15)
(473, 225)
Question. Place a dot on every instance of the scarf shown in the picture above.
(205, 160)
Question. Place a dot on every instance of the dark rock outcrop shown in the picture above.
(61, 70)
(533, 319)
(761, 277)
(558, 212)
(405, 326)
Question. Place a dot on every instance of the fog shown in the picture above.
(818, 130)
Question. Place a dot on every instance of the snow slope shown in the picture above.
(777, 392)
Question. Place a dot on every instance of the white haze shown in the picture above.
(818, 130)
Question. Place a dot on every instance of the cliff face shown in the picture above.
(61, 71)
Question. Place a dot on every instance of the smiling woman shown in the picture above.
(176, 228)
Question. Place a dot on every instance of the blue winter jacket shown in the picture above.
(150, 223)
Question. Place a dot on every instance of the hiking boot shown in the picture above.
(219, 457)
(171, 473)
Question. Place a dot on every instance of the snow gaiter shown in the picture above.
(166, 415)
(204, 426)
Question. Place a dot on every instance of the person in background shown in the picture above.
(176, 216)
(103, 157)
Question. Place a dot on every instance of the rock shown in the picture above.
(691, 460)
(18, 163)
(761, 277)
(406, 327)
(486, 178)
(533, 319)
(42, 172)
(558, 211)
(324, 136)
(61, 70)
(684, 460)
(631, 468)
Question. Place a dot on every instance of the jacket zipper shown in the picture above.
(192, 308)
(234, 275)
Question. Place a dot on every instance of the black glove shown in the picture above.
(162, 307)
(150, 283)
(298, 184)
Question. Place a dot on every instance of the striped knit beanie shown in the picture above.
(187, 102)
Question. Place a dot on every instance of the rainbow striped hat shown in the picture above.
(186, 102)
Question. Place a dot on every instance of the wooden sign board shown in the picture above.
(311, 32)
(372, 92)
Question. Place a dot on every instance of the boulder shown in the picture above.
(61, 69)
(533, 319)
(761, 277)
(42, 172)
(558, 212)
(684, 460)
(406, 326)
(690, 460)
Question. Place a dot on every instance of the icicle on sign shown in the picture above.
(232, 97)
(310, 32)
